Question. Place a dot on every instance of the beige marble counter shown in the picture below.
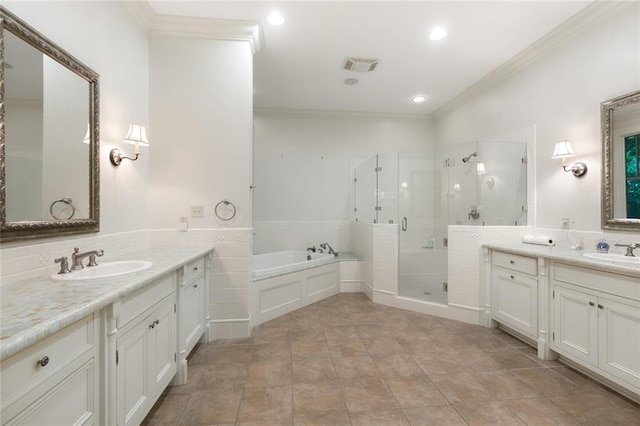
(570, 256)
(33, 309)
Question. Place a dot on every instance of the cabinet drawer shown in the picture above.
(39, 362)
(524, 264)
(619, 285)
(193, 270)
(138, 302)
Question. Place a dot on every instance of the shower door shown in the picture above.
(423, 257)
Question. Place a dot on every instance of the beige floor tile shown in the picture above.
(546, 382)
(379, 418)
(597, 410)
(272, 335)
(510, 358)
(313, 370)
(363, 318)
(533, 354)
(369, 331)
(194, 374)
(340, 332)
(393, 366)
(415, 345)
(330, 418)
(350, 368)
(366, 394)
(203, 354)
(585, 384)
(316, 398)
(304, 349)
(442, 415)
(168, 411)
(541, 411)
(269, 373)
(383, 346)
(460, 387)
(346, 348)
(416, 391)
(306, 333)
(214, 378)
(504, 385)
(487, 413)
(281, 349)
(266, 404)
(207, 407)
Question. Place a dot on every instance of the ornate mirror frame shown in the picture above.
(607, 108)
(26, 230)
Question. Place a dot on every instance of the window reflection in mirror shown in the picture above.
(625, 137)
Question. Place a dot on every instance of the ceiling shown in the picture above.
(300, 66)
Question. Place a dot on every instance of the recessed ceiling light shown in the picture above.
(418, 99)
(351, 81)
(438, 33)
(275, 19)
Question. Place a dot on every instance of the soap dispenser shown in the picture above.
(602, 246)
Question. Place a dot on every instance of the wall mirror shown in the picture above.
(49, 146)
(621, 162)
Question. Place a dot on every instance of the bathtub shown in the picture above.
(284, 281)
(277, 263)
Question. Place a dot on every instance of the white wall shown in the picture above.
(114, 46)
(303, 170)
(559, 94)
(201, 96)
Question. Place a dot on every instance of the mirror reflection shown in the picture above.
(46, 119)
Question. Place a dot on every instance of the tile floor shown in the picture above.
(346, 361)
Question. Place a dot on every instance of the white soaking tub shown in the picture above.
(284, 281)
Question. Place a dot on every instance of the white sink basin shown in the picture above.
(613, 257)
(105, 270)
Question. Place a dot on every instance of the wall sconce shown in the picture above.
(564, 150)
(136, 136)
(480, 168)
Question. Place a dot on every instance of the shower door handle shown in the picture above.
(404, 223)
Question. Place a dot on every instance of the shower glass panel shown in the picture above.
(366, 191)
(387, 172)
(422, 268)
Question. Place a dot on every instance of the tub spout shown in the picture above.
(331, 250)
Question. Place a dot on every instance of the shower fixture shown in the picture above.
(466, 159)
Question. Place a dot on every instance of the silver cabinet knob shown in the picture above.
(42, 362)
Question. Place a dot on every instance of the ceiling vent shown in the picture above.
(360, 64)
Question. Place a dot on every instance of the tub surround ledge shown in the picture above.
(36, 308)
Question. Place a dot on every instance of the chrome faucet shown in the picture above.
(331, 250)
(630, 248)
(77, 257)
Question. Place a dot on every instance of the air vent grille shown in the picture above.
(360, 64)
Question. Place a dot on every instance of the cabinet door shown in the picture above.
(192, 314)
(71, 402)
(132, 374)
(162, 347)
(575, 324)
(515, 301)
(619, 349)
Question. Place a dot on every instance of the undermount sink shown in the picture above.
(613, 257)
(105, 270)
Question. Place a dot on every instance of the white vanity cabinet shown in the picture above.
(191, 312)
(145, 356)
(56, 381)
(596, 322)
(514, 292)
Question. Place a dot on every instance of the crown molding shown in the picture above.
(593, 13)
(205, 28)
(313, 113)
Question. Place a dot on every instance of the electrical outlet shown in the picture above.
(566, 223)
(197, 211)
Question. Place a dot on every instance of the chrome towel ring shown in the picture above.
(64, 211)
(224, 213)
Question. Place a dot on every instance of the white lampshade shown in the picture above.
(137, 135)
(563, 149)
(480, 169)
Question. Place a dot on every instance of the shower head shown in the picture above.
(466, 159)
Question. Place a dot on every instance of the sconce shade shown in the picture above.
(480, 169)
(87, 136)
(563, 149)
(137, 134)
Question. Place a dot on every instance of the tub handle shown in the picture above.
(404, 223)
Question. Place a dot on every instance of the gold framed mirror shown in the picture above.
(49, 137)
(620, 125)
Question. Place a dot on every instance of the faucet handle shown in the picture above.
(64, 265)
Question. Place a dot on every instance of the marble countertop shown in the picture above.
(570, 256)
(31, 310)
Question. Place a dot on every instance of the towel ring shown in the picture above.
(61, 209)
(224, 217)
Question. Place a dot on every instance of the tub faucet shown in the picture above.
(77, 257)
(331, 250)
(630, 248)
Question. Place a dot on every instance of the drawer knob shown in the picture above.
(512, 277)
(600, 306)
(512, 262)
(42, 362)
(195, 268)
(591, 304)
